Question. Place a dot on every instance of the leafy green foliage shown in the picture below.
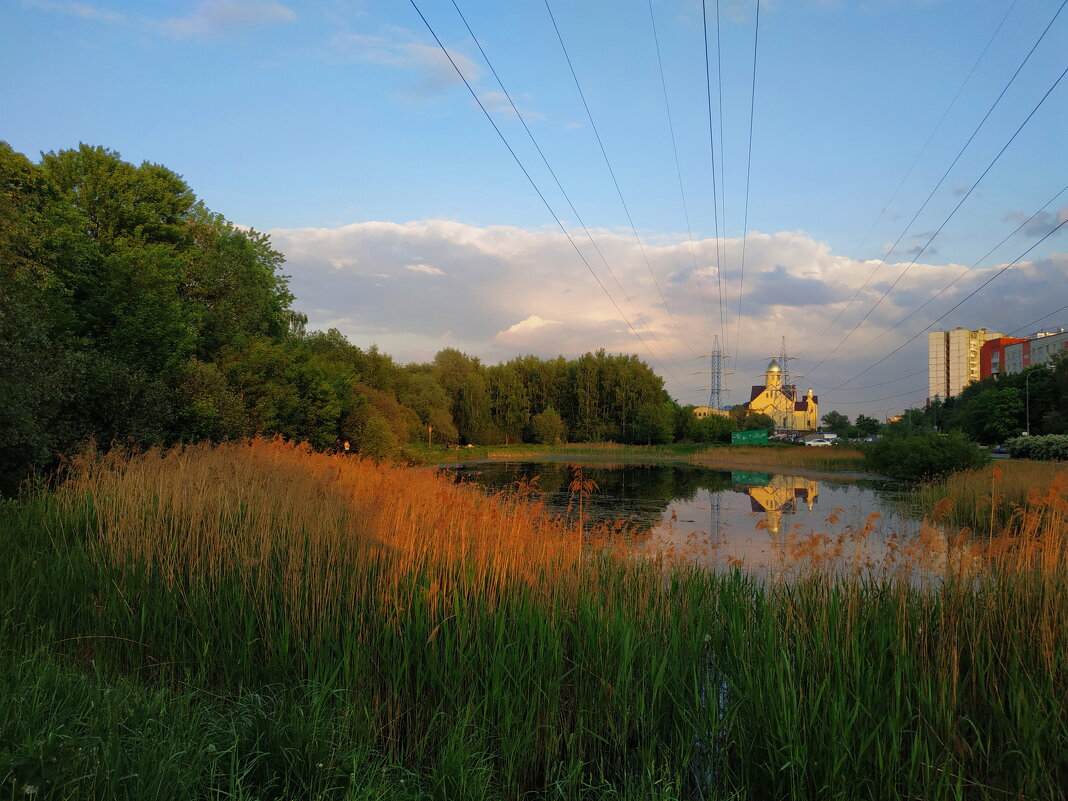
(654, 424)
(867, 426)
(1047, 448)
(837, 423)
(924, 455)
(715, 428)
(547, 427)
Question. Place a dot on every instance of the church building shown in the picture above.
(780, 402)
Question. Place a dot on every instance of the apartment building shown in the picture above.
(953, 360)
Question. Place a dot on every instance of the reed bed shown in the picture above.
(990, 499)
(744, 457)
(260, 621)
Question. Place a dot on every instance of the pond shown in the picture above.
(763, 521)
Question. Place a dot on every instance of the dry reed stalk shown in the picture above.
(270, 511)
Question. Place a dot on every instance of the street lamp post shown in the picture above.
(1027, 397)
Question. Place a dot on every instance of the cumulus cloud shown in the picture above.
(515, 290)
(530, 324)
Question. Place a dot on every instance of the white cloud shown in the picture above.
(400, 49)
(424, 268)
(82, 10)
(794, 286)
(530, 324)
(213, 17)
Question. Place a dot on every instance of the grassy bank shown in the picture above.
(786, 457)
(259, 621)
(724, 457)
(568, 451)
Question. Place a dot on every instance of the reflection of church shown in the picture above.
(779, 402)
(781, 496)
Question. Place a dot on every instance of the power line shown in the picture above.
(615, 182)
(965, 300)
(950, 217)
(959, 277)
(880, 400)
(712, 152)
(908, 172)
(559, 185)
(678, 167)
(872, 386)
(541, 196)
(1040, 319)
(990, 111)
(748, 171)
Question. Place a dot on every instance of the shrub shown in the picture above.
(547, 428)
(1049, 448)
(925, 455)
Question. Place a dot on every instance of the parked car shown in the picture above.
(818, 442)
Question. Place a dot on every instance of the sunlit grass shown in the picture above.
(991, 499)
(744, 457)
(276, 623)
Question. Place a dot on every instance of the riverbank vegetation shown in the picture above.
(991, 499)
(131, 313)
(260, 620)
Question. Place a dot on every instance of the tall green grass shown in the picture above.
(260, 621)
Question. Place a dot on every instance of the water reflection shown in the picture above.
(764, 521)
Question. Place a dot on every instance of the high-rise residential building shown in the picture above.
(953, 360)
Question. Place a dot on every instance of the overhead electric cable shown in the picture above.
(678, 167)
(880, 400)
(948, 218)
(965, 300)
(908, 172)
(871, 386)
(712, 152)
(966, 271)
(615, 182)
(541, 196)
(1040, 319)
(648, 328)
(748, 171)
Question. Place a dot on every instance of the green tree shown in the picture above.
(993, 415)
(754, 421)
(836, 422)
(509, 405)
(547, 427)
(867, 426)
(715, 428)
(654, 424)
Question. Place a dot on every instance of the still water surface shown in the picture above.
(765, 521)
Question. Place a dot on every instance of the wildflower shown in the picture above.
(29, 789)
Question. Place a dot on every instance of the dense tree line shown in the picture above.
(130, 313)
(989, 411)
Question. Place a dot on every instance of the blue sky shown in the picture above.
(342, 129)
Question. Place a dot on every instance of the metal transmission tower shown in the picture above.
(716, 358)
